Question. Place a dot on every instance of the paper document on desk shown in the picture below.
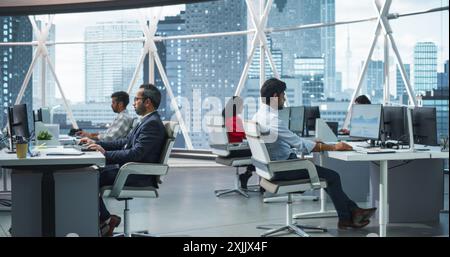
(64, 151)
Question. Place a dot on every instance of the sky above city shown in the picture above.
(426, 27)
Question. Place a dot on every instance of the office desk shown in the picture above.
(433, 153)
(44, 187)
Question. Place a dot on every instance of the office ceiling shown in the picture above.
(27, 7)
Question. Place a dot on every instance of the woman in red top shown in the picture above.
(236, 133)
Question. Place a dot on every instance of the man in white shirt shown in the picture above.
(283, 144)
(121, 125)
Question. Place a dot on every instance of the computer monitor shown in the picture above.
(297, 115)
(311, 114)
(18, 123)
(284, 114)
(43, 115)
(365, 121)
(333, 126)
(395, 124)
(424, 125)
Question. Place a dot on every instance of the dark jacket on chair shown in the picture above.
(143, 144)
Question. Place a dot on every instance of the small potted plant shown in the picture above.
(44, 138)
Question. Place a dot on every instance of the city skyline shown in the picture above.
(69, 28)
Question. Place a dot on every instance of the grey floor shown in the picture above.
(187, 207)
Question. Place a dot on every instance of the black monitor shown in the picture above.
(366, 121)
(395, 122)
(311, 114)
(18, 123)
(297, 115)
(333, 126)
(424, 125)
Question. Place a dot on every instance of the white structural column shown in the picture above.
(152, 51)
(382, 23)
(259, 39)
(42, 52)
(386, 90)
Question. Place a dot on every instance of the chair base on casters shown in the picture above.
(236, 189)
(227, 191)
(292, 228)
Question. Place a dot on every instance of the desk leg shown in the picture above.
(48, 204)
(383, 204)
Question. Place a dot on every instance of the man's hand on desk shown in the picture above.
(97, 148)
(341, 146)
(86, 140)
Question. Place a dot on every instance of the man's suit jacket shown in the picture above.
(143, 144)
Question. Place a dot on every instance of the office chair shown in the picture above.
(125, 193)
(267, 169)
(218, 141)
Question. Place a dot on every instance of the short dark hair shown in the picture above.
(270, 87)
(121, 97)
(151, 92)
(362, 99)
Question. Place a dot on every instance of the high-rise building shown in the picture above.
(109, 67)
(14, 63)
(310, 71)
(37, 71)
(438, 99)
(373, 81)
(425, 67)
(331, 110)
(277, 57)
(213, 65)
(442, 79)
(402, 94)
(310, 42)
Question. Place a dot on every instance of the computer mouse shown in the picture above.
(390, 145)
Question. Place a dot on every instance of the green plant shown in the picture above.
(44, 135)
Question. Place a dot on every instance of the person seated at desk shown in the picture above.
(143, 144)
(362, 99)
(121, 125)
(236, 133)
(282, 148)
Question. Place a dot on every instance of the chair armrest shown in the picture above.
(136, 168)
(294, 164)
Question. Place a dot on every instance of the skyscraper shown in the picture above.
(311, 72)
(373, 81)
(37, 73)
(277, 57)
(109, 67)
(402, 94)
(442, 79)
(14, 63)
(305, 43)
(425, 67)
(213, 65)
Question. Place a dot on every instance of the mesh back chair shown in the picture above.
(267, 169)
(218, 141)
(121, 192)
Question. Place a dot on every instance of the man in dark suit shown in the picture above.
(143, 144)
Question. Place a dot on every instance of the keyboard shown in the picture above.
(374, 150)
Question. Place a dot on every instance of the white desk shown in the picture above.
(42, 192)
(433, 153)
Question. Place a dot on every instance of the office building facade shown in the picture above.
(439, 99)
(425, 67)
(14, 63)
(277, 57)
(311, 71)
(331, 110)
(213, 65)
(109, 67)
(310, 42)
(402, 94)
(373, 81)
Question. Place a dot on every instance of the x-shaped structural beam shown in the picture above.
(151, 49)
(41, 51)
(382, 24)
(259, 38)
